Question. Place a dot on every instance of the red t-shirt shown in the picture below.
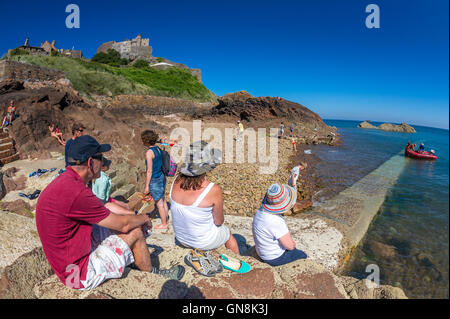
(65, 212)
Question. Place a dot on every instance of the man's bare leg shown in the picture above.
(136, 241)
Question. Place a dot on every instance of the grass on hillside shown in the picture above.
(90, 78)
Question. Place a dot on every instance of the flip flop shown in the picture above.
(234, 264)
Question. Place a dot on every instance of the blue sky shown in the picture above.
(318, 52)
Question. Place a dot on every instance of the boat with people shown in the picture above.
(419, 154)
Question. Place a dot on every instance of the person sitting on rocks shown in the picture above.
(77, 131)
(85, 241)
(197, 204)
(54, 131)
(101, 186)
(273, 241)
(10, 115)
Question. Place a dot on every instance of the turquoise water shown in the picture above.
(413, 220)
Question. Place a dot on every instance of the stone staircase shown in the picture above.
(118, 186)
(8, 152)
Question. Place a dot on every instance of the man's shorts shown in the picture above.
(108, 259)
(157, 187)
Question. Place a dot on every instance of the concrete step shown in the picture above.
(112, 173)
(7, 153)
(116, 183)
(6, 146)
(125, 191)
(10, 159)
(6, 140)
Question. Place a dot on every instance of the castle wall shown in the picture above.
(12, 70)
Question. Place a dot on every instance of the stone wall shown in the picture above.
(21, 71)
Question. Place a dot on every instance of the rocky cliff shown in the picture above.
(270, 112)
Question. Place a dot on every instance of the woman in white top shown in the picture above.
(197, 204)
(273, 241)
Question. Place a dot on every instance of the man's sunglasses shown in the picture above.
(98, 157)
(80, 130)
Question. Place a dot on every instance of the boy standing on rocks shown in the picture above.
(86, 242)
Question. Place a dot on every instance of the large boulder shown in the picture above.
(403, 128)
(366, 124)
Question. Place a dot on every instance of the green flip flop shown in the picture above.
(234, 264)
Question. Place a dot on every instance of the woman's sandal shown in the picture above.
(200, 263)
(234, 264)
(218, 268)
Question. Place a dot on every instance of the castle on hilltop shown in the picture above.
(134, 49)
(139, 49)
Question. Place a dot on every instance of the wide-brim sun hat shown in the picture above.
(200, 159)
(279, 199)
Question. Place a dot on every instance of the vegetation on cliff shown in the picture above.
(90, 77)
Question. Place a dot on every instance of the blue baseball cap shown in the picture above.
(84, 147)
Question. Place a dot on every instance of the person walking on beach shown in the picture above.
(197, 204)
(294, 146)
(77, 131)
(84, 241)
(240, 130)
(155, 182)
(282, 130)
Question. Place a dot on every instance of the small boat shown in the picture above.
(420, 155)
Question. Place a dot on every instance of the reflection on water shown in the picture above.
(408, 239)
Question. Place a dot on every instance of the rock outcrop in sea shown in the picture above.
(366, 124)
(403, 128)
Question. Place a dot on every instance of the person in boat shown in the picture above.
(197, 204)
(421, 148)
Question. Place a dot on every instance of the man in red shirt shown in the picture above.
(85, 241)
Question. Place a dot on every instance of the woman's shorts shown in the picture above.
(223, 234)
(157, 187)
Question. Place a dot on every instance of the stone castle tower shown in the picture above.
(134, 49)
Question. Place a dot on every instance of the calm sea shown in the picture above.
(413, 220)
